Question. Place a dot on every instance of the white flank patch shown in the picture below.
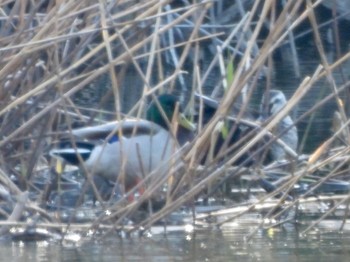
(55, 152)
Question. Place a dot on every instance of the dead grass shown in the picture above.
(51, 51)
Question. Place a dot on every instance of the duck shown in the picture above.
(233, 132)
(227, 133)
(285, 130)
(133, 147)
(237, 131)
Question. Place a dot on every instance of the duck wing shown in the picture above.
(83, 141)
(126, 128)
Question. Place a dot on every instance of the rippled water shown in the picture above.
(228, 244)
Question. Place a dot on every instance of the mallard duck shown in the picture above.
(240, 130)
(134, 148)
(227, 133)
(276, 101)
(235, 132)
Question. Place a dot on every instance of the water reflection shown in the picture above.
(228, 244)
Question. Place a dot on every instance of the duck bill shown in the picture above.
(185, 123)
(59, 168)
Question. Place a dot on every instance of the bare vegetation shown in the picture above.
(69, 62)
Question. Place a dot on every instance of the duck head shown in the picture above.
(161, 111)
(275, 100)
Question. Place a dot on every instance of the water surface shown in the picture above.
(229, 244)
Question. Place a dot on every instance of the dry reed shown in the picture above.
(53, 50)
